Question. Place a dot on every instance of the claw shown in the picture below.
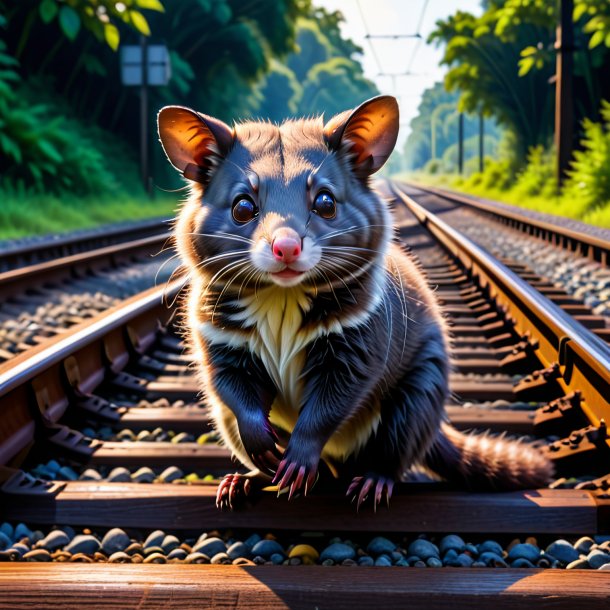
(353, 485)
(364, 493)
(298, 482)
(382, 487)
(287, 476)
(310, 482)
(230, 488)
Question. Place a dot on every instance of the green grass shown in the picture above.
(566, 205)
(23, 214)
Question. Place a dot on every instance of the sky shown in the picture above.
(395, 56)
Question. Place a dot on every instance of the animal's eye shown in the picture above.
(244, 209)
(324, 205)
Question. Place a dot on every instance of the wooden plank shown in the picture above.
(146, 587)
(414, 508)
(187, 455)
(196, 421)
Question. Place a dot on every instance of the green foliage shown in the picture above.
(483, 54)
(26, 212)
(585, 196)
(100, 17)
(589, 178)
(322, 76)
(435, 130)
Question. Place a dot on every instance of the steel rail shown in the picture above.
(40, 274)
(62, 246)
(588, 245)
(583, 358)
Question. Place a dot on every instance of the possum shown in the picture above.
(316, 335)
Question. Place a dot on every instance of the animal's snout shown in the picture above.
(286, 246)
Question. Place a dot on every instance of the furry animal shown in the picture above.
(317, 335)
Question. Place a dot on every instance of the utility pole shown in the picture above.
(461, 143)
(481, 142)
(144, 116)
(564, 100)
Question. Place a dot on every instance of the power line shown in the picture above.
(367, 36)
(418, 32)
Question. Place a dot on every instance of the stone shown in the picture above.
(380, 545)
(220, 558)
(155, 558)
(423, 549)
(304, 550)
(266, 548)
(154, 539)
(90, 475)
(252, 540)
(143, 475)
(172, 473)
(197, 557)
(7, 529)
(238, 549)
(366, 561)
(21, 548)
(563, 551)
(177, 554)
(582, 545)
(524, 550)
(83, 543)
(489, 558)
(37, 555)
(66, 473)
(598, 558)
(54, 540)
(115, 540)
(210, 546)
(579, 564)
(383, 560)
(452, 542)
(491, 546)
(277, 559)
(461, 561)
(337, 552)
(522, 563)
(170, 543)
(119, 475)
(120, 557)
(433, 562)
(5, 541)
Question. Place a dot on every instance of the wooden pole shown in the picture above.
(144, 170)
(481, 142)
(461, 143)
(564, 101)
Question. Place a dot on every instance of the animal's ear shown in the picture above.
(369, 132)
(194, 143)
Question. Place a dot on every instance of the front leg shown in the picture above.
(337, 379)
(237, 380)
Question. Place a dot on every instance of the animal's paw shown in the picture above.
(260, 443)
(381, 487)
(232, 491)
(296, 474)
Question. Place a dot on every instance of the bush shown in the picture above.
(589, 177)
(43, 151)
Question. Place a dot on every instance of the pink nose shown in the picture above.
(286, 246)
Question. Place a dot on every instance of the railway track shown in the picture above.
(102, 432)
(40, 250)
(41, 299)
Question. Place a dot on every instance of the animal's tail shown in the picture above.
(482, 461)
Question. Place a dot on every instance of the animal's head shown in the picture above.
(286, 204)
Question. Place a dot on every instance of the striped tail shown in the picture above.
(483, 462)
